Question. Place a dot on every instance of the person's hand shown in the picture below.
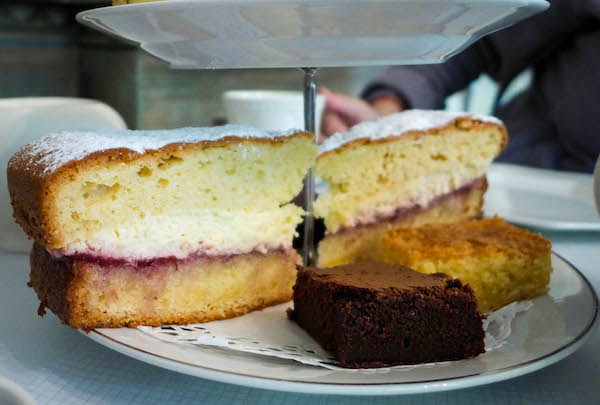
(343, 112)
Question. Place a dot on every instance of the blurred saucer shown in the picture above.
(25, 119)
(12, 393)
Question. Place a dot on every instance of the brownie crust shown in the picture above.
(378, 315)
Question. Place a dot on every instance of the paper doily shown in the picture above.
(270, 333)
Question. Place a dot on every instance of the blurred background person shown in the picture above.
(553, 124)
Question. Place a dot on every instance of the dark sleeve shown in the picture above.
(502, 55)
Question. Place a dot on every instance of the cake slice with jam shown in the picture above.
(407, 169)
(152, 227)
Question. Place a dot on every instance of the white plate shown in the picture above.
(312, 33)
(542, 198)
(556, 326)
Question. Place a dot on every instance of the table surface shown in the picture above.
(58, 365)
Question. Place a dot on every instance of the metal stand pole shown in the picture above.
(310, 100)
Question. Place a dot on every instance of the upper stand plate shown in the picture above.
(218, 34)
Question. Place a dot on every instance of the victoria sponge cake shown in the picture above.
(406, 169)
(152, 227)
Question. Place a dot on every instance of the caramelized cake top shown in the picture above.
(486, 237)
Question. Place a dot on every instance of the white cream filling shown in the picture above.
(211, 232)
(420, 192)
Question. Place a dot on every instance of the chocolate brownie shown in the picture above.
(377, 315)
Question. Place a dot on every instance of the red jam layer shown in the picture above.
(107, 262)
(403, 212)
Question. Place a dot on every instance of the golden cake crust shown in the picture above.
(501, 262)
(78, 292)
(31, 185)
(462, 123)
(483, 238)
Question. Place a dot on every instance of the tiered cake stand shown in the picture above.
(215, 34)
(220, 34)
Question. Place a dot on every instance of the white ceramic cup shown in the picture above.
(270, 110)
(25, 119)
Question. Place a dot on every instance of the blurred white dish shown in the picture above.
(25, 119)
(12, 393)
(545, 199)
(271, 110)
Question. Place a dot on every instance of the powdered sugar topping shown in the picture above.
(398, 124)
(56, 149)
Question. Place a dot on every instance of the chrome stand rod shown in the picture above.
(310, 100)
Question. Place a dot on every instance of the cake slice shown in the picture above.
(146, 227)
(501, 262)
(407, 169)
(377, 315)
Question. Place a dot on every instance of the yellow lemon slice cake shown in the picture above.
(501, 262)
